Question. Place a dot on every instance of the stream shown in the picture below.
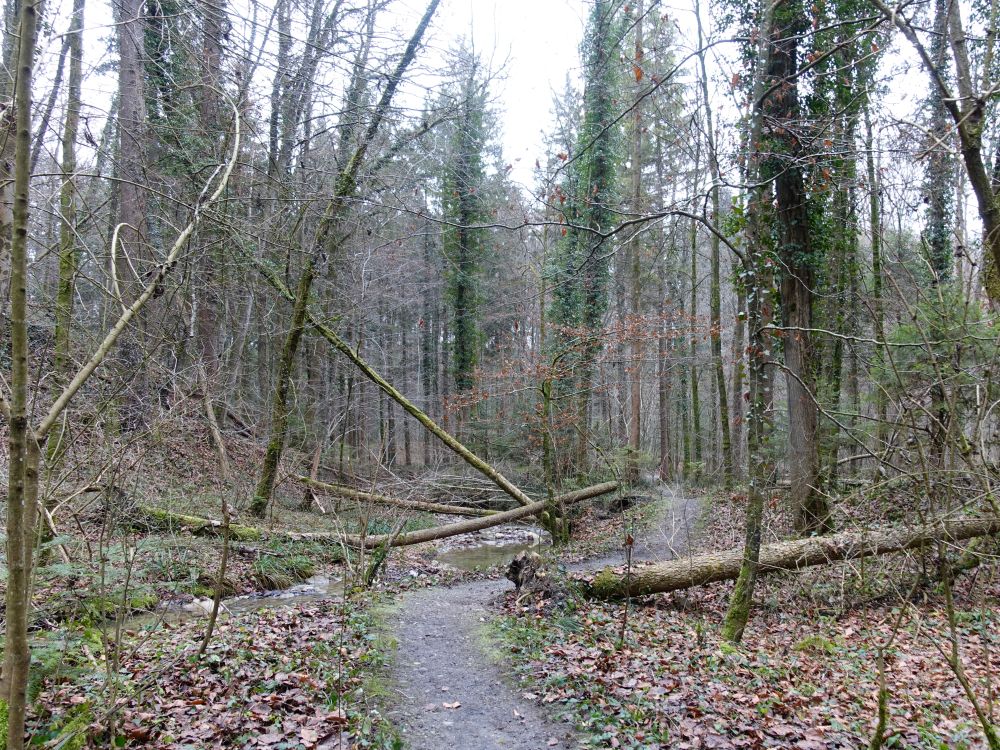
(470, 552)
(484, 549)
(312, 589)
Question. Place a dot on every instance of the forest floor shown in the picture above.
(314, 667)
(806, 675)
(452, 689)
(437, 658)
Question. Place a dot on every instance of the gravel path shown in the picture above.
(442, 658)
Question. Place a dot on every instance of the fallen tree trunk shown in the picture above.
(793, 555)
(167, 520)
(210, 527)
(464, 527)
(353, 494)
(408, 406)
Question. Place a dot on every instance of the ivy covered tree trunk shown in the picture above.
(279, 405)
(798, 262)
(939, 171)
(757, 283)
(463, 209)
(635, 263)
(580, 263)
(759, 429)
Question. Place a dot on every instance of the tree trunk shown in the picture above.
(663, 385)
(878, 313)
(213, 22)
(369, 497)
(696, 438)
(130, 24)
(635, 270)
(279, 405)
(758, 290)
(737, 413)
(796, 253)
(22, 487)
(793, 555)
(67, 203)
(540, 508)
(715, 297)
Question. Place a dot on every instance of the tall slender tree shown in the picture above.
(715, 298)
(463, 200)
(580, 269)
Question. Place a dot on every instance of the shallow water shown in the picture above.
(313, 589)
(499, 547)
(486, 555)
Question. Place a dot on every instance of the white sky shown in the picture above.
(533, 45)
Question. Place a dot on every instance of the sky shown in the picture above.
(532, 45)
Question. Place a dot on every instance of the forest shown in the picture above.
(352, 400)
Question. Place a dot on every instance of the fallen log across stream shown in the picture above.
(473, 524)
(688, 572)
(353, 494)
(211, 527)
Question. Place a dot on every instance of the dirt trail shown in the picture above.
(442, 658)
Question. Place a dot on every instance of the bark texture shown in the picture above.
(793, 555)
(22, 481)
(797, 256)
(476, 524)
(370, 497)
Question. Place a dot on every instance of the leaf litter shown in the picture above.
(294, 677)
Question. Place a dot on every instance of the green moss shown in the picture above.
(205, 586)
(817, 644)
(163, 519)
(72, 735)
(3, 724)
(99, 607)
(606, 585)
(245, 533)
(727, 648)
(143, 601)
(69, 732)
